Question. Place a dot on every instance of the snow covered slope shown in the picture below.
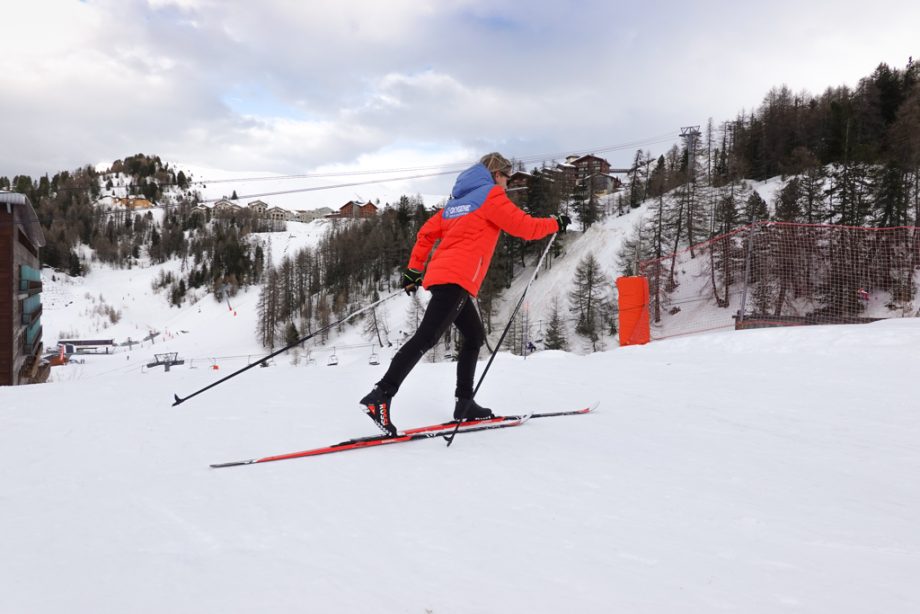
(208, 332)
(757, 471)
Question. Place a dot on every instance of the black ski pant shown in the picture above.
(449, 304)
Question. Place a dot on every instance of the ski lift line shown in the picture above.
(331, 187)
(353, 346)
(251, 356)
(357, 183)
(446, 168)
(129, 368)
(439, 167)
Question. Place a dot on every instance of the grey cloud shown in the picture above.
(370, 76)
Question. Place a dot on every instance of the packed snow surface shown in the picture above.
(756, 471)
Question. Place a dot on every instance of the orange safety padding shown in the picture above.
(633, 304)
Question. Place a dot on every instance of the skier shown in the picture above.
(467, 227)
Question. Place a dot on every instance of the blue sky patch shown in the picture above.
(256, 102)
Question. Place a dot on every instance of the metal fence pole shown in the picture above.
(747, 271)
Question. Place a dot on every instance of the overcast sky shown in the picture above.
(280, 86)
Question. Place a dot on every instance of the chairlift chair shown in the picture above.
(333, 359)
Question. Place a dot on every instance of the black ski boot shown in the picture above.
(376, 404)
(468, 409)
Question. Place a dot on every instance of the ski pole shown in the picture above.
(450, 438)
(285, 348)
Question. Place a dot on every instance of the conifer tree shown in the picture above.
(722, 252)
(890, 196)
(267, 309)
(414, 313)
(513, 340)
(587, 295)
(291, 335)
(323, 317)
(814, 205)
(555, 337)
(755, 208)
(635, 189)
(375, 328)
(788, 202)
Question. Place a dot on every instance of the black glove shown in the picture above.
(411, 281)
(563, 221)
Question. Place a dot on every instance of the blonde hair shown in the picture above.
(496, 163)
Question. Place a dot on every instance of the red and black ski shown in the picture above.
(425, 432)
(422, 432)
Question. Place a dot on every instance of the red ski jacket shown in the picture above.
(468, 228)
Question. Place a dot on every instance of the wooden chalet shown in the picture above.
(579, 173)
(258, 207)
(226, 206)
(351, 209)
(277, 214)
(519, 179)
(588, 165)
(21, 237)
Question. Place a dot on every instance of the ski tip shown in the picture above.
(234, 463)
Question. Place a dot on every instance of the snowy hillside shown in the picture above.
(202, 328)
(757, 471)
(207, 332)
(237, 339)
